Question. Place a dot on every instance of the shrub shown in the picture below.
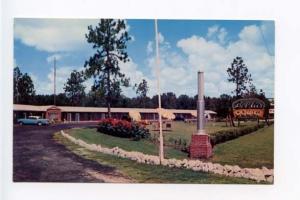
(225, 135)
(123, 128)
(180, 144)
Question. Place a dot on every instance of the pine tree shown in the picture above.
(142, 90)
(109, 40)
(238, 74)
(74, 88)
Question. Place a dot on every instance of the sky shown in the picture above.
(186, 47)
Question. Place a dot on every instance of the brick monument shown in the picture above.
(200, 146)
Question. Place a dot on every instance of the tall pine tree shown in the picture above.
(238, 74)
(109, 40)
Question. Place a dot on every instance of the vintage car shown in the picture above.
(33, 120)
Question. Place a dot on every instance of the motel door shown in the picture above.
(69, 117)
(77, 117)
(53, 116)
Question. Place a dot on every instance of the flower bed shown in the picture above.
(123, 128)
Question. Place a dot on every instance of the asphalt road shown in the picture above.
(37, 157)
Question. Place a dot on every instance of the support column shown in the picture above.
(200, 146)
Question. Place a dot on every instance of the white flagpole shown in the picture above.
(161, 142)
(54, 82)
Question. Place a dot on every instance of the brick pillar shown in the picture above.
(200, 146)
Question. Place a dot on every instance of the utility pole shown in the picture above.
(54, 82)
(161, 140)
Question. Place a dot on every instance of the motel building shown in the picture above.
(81, 114)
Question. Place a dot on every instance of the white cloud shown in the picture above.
(46, 86)
(149, 47)
(217, 33)
(161, 38)
(52, 35)
(251, 34)
(214, 58)
(57, 35)
(57, 56)
(131, 70)
(212, 30)
(267, 28)
(174, 72)
(222, 35)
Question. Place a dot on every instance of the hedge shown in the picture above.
(225, 135)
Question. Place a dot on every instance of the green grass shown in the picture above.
(143, 173)
(184, 130)
(145, 146)
(252, 150)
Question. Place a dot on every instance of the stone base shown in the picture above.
(200, 146)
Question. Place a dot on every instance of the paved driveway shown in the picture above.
(38, 158)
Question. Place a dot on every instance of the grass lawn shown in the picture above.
(143, 173)
(252, 150)
(184, 130)
(145, 146)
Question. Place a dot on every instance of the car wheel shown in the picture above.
(21, 123)
(39, 123)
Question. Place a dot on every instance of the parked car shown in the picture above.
(33, 120)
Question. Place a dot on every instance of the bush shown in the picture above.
(223, 136)
(123, 128)
(179, 144)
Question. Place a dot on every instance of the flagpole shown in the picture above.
(161, 144)
(54, 82)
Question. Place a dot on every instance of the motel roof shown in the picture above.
(34, 108)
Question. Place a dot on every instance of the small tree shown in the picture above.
(238, 74)
(168, 100)
(74, 88)
(223, 105)
(142, 90)
(183, 102)
(109, 40)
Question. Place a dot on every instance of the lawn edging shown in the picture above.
(263, 174)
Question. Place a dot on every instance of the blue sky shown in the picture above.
(186, 46)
